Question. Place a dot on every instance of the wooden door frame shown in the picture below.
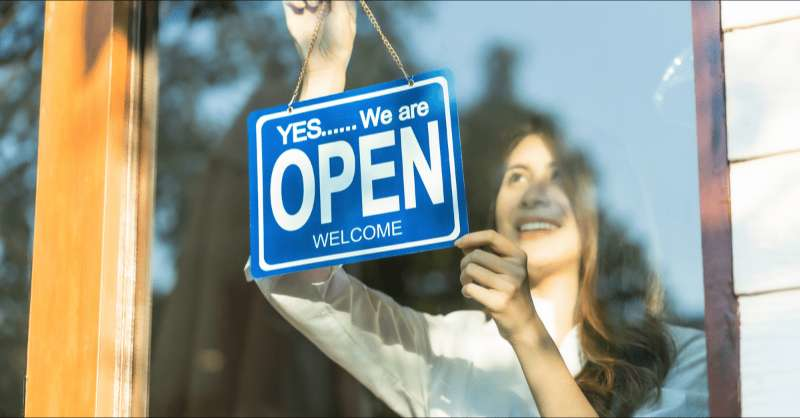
(89, 331)
(89, 335)
(721, 305)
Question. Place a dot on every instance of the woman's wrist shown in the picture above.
(323, 81)
(531, 336)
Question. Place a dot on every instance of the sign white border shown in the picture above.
(266, 267)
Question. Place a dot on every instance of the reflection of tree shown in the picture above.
(219, 348)
(21, 25)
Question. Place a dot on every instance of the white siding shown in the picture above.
(762, 77)
(765, 214)
(770, 341)
(763, 89)
(744, 13)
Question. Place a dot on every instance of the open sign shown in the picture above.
(359, 175)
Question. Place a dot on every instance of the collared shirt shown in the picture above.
(448, 365)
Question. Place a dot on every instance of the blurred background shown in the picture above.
(617, 77)
(21, 26)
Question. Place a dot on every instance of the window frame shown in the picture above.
(721, 306)
(109, 354)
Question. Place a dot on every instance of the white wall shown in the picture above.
(762, 76)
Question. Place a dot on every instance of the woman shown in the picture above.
(562, 339)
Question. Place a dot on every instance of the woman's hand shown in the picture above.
(335, 40)
(494, 273)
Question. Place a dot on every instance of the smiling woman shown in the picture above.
(546, 204)
(588, 339)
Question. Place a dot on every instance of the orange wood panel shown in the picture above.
(92, 222)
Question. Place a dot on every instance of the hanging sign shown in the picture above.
(364, 174)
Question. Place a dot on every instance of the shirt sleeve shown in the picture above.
(382, 344)
(685, 389)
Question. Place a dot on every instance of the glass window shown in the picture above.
(610, 84)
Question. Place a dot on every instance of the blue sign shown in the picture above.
(364, 174)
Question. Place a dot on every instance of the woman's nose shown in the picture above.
(536, 195)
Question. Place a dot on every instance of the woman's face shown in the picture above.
(534, 211)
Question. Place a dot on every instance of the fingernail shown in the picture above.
(295, 9)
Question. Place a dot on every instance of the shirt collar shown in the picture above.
(569, 346)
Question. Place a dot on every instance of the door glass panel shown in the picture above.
(615, 78)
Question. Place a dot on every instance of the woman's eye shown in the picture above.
(556, 174)
(514, 177)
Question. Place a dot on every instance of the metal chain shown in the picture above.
(385, 40)
(314, 36)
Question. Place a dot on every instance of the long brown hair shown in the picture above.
(626, 344)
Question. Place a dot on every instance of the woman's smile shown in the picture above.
(535, 226)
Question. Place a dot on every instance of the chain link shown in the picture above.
(385, 40)
(315, 35)
(320, 19)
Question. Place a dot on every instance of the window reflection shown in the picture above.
(624, 104)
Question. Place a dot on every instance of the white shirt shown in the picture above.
(448, 365)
